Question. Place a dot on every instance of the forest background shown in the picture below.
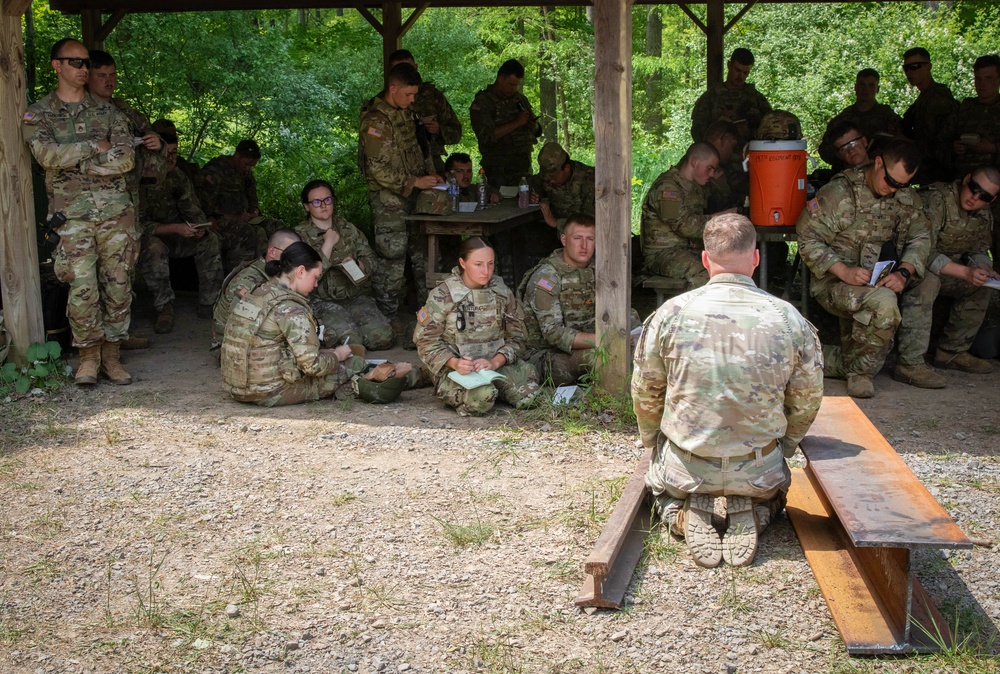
(295, 79)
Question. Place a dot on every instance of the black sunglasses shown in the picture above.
(891, 182)
(77, 63)
(979, 193)
(916, 65)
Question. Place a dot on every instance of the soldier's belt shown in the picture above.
(764, 451)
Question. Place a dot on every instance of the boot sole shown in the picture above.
(958, 368)
(116, 382)
(908, 380)
(702, 539)
(739, 543)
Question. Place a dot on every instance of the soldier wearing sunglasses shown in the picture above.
(925, 120)
(863, 215)
(85, 147)
(958, 266)
(875, 120)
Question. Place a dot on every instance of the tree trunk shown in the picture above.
(546, 83)
(654, 47)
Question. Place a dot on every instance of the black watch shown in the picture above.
(905, 273)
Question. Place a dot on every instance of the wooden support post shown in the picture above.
(716, 29)
(392, 33)
(90, 26)
(613, 157)
(22, 295)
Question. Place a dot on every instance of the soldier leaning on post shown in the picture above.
(960, 225)
(86, 149)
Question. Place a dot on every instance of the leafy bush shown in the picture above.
(45, 370)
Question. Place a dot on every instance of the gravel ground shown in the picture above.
(163, 528)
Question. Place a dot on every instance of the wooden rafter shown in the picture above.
(15, 7)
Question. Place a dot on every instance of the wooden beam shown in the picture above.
(739, 15)
(16, 7)
(369, 17)
(19, 279)
(716, 20)
(392, 32)
(105, 29)
(90, 26)
(613, 158)
(695, 19)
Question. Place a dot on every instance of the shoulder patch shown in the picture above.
(422, 314)
(813, 205)
(372, 131)
(670, 195)
(545, 284)
(29, 117)
(242, 292)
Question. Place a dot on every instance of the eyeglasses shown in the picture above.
(77, 63)
(891, 182)
(316, 203)
(916, 65)
(850, 144)
(979, 193)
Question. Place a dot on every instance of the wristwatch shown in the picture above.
(904, 272)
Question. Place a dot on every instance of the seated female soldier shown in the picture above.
(271, 353)
(473, 323)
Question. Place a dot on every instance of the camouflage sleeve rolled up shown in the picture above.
(382, 164)
(514, 332)
(649, 381)
(820, 222)
(299, 330)
(541, 297)
(428, 336)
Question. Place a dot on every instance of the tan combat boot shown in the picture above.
(111, 366)
(90, 363)
(164, 320)
(134, 342)
(860, 386)
(920, 375)
(965, 362)
(701, 537)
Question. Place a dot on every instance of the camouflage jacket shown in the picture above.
(955, 232)
(577, 195)
(847, 223)
(487, 112)
(734, 104)
(978, 118)
(271, 341)
(226, 191)
(725, 369)
(238, 283)
(925, 123)
(334, 285)
(459, 321)
(150, 167)
(881, 119)
(728, 190)
(673, 214)
(388, 151)
(168, 201)
(558, 302)
(430, 101)
(81, 181)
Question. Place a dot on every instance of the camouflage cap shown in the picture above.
(433, 202)
(248, 148)
(552, 158)
(779, 125)
(164, 126)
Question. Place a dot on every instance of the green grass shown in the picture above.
(464, 535)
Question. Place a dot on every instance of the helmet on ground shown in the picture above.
(378, 392)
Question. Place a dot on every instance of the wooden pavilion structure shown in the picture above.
(19, 274)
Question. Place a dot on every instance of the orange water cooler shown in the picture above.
(777, 181)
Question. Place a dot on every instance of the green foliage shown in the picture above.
(45, 370)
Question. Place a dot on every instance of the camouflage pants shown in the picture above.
(868, 320)
(394, 241)
(673, 474)
(518, 390)
(96, 260)
(916, 309)
(240, 242)
(154, 262)
(310, 388)
(358, 319)
(559, 367)
(678, 264)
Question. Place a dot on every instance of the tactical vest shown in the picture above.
(962, 232)
(248, 360)
(878, 223)
(576, 298)
(475, 322)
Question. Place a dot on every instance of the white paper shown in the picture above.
(564, 394)
(877, 270)
(353, 271)
(992, 283)
(440, 186)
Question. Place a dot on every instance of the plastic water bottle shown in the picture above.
(453, 193)
(484, 190)
(523, 194)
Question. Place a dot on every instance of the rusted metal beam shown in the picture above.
(610, 565)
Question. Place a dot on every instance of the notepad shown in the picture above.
(353, 271)
(474, 379)
(881, 270)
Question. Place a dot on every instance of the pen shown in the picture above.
(346, 340)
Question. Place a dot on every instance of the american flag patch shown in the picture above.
(670, 194)
(372, 131)
(813, 205)
(422, 315)
(28, 116)
(545, 284)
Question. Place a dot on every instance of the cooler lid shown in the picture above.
(776, 145)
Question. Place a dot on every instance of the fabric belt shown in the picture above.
(757, 454)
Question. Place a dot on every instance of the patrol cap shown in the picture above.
(433, 202)
(779, 125)
(551, 159)
(248, 148)
(378, 392)
(162, 126)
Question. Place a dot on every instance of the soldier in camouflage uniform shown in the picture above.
(271, 354)
(673, 217)
(958, 266)
(245, 278)
(190, 168)
(505, 126)
(229, 197)
(842, 233)
(876, 120)
(86, 150)
(396, 170)
(563, 186)
(735, 100)
(169, 219)
(972, 137)
(344, 307)
(472, 322)
(727, 381)
(926, 120)
(730, 186)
